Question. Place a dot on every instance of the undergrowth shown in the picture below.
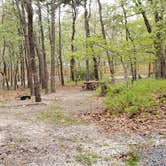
(88, 158)
(141, 95)
(132, 159)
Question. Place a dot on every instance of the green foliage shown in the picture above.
(87, 158)
(81, 74)
(99, 89)
(132, 159)
(143, 94)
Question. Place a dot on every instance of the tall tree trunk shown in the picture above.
(41, 62)
(87, 34)
(133, 60)
(52, 42)
(45, 79)
(32, 50)
(110, 60)
(5, 67)
(60, 49)
(72, 60)
(160, 62)
(23, 26)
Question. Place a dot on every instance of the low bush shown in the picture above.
(140, 95)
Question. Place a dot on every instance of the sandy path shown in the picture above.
(26, 140)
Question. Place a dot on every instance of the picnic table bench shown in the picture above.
(90, 85)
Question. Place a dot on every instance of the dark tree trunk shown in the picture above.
(160, 63)
(60, 49)
(72, 60)
(32, 51)
(41, 63)
(22, 72)
(23, 26)
(96, 70)
(5, 77)
(15, 76)
(146, 21)
(87, 34)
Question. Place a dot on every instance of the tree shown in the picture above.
(110, 62)
(29, 10)
(52, 43)
(60, 49)
(45, 75)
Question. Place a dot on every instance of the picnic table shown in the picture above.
(90, 85)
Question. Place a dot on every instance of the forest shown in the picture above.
(82, 82)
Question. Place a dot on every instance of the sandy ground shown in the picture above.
(28, 140)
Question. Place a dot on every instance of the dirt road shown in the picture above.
(52, 135)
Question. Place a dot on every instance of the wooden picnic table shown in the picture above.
(90, 85)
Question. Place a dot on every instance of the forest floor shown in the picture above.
(58, 132)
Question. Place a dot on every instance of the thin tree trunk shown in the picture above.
(110, 60)
(45, 76)
(15, 76)
(72, 60)
(60, 49)
(52, 42)
(133, 60)
(87, 34)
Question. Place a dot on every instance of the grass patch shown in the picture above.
(132, 159)
(141, 95)
(55, 114)
(163, 134)
(107, 158)
(59, 118)
(105, 144)
(87, 159)
(79, 149)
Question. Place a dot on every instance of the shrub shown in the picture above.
(141, 95)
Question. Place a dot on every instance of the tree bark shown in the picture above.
(87, 34)
(32, 50)
(72, 60)
(60, 49)
(45, 79)
(96, 68)
(52, 42)
(110, 60)
(133, 60)
(23, 26)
